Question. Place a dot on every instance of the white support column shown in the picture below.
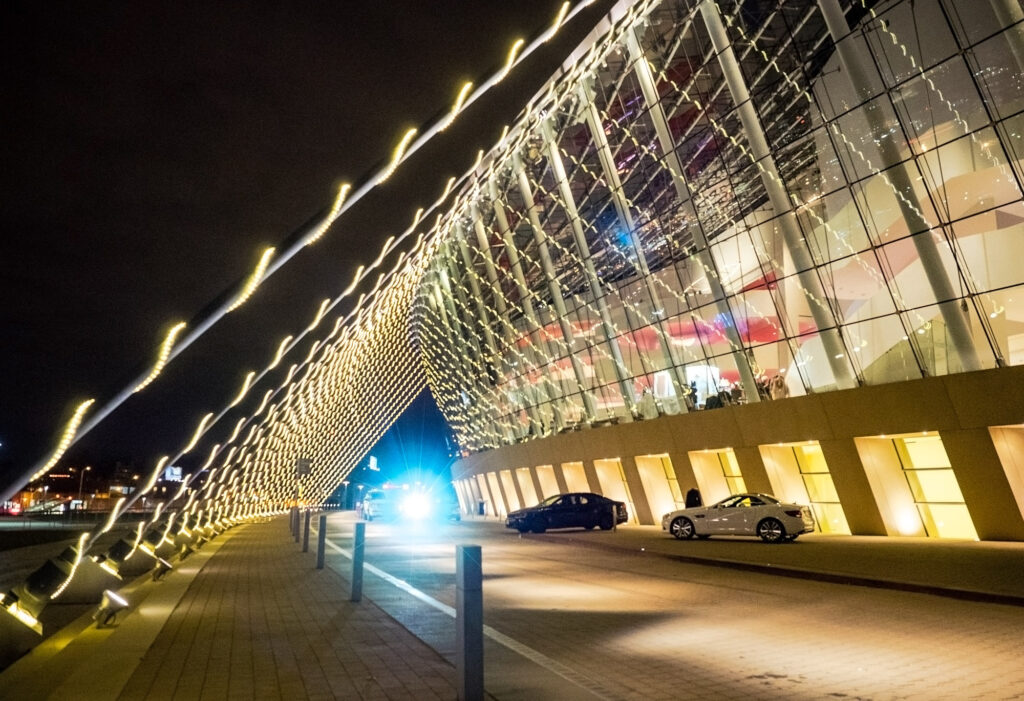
(597, 290)
(828, 328)
(910, 207)
(555, 289)
(628, 224)
(703, 254)
(528, 391)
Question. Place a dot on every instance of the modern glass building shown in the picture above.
(762, 245)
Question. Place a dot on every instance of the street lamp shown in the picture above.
(81, 478)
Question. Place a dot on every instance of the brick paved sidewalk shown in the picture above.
(260, 621)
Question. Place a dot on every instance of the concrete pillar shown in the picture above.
(755, 476)
(593, 481)
(851, 482)
(636, 490)
(982, 479)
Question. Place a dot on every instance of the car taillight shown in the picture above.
(795, 513)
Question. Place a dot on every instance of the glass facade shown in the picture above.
(719, 203)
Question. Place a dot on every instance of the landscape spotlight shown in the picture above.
(109, 607)
(161, 569)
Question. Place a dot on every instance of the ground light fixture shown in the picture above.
(27, 600)
(110, 605)
(161, 569)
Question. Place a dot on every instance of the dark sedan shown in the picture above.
(576, 510)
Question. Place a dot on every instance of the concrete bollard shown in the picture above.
(293, 520)
(358, 545)
(321, 542)
(469, 623)
(305, 532)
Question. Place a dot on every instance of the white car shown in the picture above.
(741, 514)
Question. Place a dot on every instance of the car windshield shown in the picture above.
(550, 500)
(746, 500)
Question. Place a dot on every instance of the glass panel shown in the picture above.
(820, 488)
(947, 521)
(969, 175)
(933, 486)
(881, 351)
(830, 518)
(926, 451)
(996, 66)
(940, 106)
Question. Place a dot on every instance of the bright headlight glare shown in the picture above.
(416, 505)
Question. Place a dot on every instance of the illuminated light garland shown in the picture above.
(199, 432)
(396, 157)
(79, 552)
(65, 441)
(184, 485)
(463, 94)
(113, 515)
(156, 474)
(332, 216)
(561, 18)
(246, 384)
(324, 306)
(209, 460)
(254, 280)
(161, 361)
(510, 62)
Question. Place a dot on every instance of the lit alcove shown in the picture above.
(660, 484)
(613, 483)
(798, 473)
(718, 474)
(914, 485)
(526, 486)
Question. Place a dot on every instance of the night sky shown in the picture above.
(152, 151)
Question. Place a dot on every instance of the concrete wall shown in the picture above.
(962, 408)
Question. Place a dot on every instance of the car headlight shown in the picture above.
(416, 505)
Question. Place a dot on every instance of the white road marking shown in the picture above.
(526, 651)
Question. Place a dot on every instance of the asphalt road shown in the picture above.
(565, 621)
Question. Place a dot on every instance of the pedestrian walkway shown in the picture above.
(248, 616)
(257, 621)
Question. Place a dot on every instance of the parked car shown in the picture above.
(742, 514)
(379, 505)
(576, 510)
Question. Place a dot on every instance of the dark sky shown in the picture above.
(152, 150)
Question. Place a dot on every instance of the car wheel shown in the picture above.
(606, 522)
(771, 530)
(538, 525)
(522, 529)
(682, 528)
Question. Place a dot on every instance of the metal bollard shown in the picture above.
(469, 623)
(358, 545)
(293, 520)
(305, 532)
(321, 542)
